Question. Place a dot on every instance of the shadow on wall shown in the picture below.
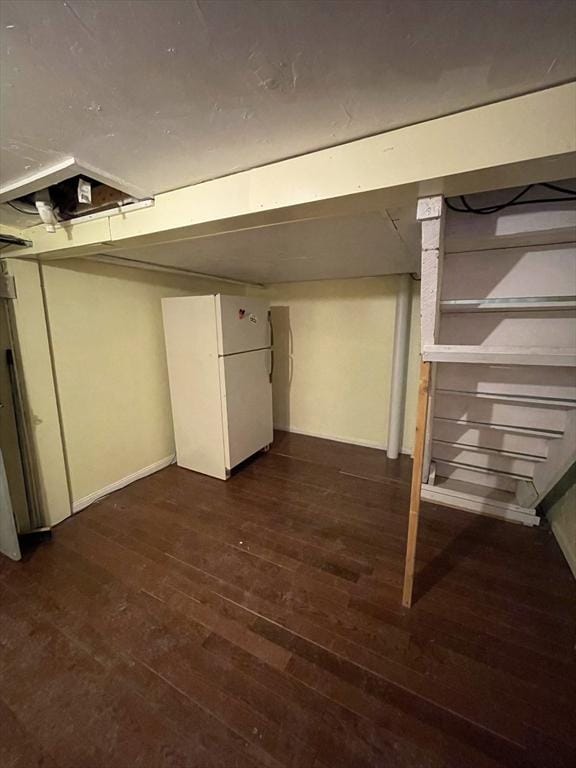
(283, 365)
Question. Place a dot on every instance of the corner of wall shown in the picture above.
(562, 517)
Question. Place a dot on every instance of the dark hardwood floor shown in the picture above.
(184, 621)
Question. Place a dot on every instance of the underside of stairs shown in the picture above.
(499, 328)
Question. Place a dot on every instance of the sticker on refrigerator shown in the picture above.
(252, 318)
(241, 314)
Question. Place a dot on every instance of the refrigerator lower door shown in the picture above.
(246, 404)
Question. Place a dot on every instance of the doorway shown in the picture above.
(16, 491)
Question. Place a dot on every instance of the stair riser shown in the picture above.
(488, 461)
(509, 272)
(490, 480)
(502, 329)
(526, 381)
(523, 228)
(496, 412)
(489, 438)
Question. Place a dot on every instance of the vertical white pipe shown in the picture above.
(399, 366)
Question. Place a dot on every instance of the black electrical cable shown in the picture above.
(556, 188)
(21, 210)
(486, 210)
(498, 207)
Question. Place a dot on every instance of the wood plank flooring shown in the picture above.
(186, 622)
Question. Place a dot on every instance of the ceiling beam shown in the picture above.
(521, 140)
(121, 261)
(5, 229)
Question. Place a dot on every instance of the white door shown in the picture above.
(242, 324)
(9, 438)
(246, 404)
(8, 535)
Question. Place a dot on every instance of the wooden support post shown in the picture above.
(421, 418)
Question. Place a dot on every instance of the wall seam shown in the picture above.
(56, 388)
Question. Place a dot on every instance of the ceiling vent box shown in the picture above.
(70, 192)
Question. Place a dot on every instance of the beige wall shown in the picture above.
(562, 517)
(332, 376)
(107, 334)
(334, 342)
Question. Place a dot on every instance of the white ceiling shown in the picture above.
(374, 243)
(165, 93)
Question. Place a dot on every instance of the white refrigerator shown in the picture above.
(220, 359)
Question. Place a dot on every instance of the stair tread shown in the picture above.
(500, 355)
(482, 470)
(523, 399)
(511, 304)
(502, 427)
(489, 451)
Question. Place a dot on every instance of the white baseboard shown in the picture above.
(337, 439)
(138, 475)
(564, 544)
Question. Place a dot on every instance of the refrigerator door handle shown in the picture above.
(271, 345)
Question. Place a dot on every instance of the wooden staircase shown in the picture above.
(499, 327)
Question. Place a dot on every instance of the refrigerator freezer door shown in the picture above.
(246, 404)
(242, 324)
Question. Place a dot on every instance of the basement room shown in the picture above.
(287, 383)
